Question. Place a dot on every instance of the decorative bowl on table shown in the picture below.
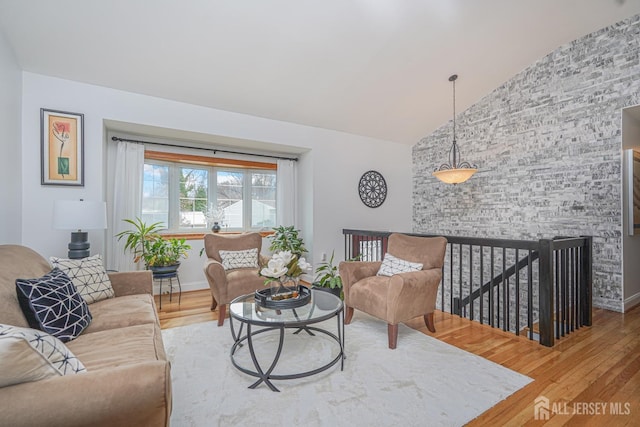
(289, 298)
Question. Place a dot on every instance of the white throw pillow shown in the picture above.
(392, 265)
(30, 355)
(247, 258)
(88, 275)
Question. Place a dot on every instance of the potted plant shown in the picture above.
(287, 239)
(159, 255)
(327, 277)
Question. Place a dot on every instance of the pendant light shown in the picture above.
(455, 171)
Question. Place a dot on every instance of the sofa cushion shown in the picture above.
(392, 265)
(52, 304)
(31, 355)
(118, 347)
(247, 258)
(127, 310)
(88, 275)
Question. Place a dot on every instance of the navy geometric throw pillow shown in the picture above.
(52, 304)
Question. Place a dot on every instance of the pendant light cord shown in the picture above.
(453, 79)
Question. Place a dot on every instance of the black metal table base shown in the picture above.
(266, 375)
(169, 276)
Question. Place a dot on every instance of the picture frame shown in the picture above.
(61, 148)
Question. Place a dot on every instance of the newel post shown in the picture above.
(546, 292)
(586, 281)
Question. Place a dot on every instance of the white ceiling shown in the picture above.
(378, 68)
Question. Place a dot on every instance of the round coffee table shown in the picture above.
(258, 320)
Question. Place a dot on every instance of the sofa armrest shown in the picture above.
(132, 282)
(136, 394)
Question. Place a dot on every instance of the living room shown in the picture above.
(565, 182)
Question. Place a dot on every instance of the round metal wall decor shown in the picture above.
(372, 189)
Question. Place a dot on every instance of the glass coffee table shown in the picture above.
(259, 320)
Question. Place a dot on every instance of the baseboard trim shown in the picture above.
(631, 302)
(190, 286)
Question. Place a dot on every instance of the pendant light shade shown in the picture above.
(455, 175)
(456, 171)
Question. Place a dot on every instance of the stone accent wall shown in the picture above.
(549, 150)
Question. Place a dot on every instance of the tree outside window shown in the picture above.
(193, 197)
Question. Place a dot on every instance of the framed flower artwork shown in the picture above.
(61, 148)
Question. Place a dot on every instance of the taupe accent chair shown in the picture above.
(227, 285)
(400, 297)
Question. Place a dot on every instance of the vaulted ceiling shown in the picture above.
(378, 68)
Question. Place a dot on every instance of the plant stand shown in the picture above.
(170, 276)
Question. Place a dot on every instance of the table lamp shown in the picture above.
(79, 215)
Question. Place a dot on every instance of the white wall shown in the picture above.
(328, 173)
(10, 183)
(630, 244)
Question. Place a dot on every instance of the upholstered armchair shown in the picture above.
(402, 296)
(232, 267)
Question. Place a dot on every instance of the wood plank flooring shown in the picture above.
(594, 369)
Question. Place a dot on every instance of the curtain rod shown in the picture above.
(215, 150)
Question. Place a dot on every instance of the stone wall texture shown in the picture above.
(548, 146)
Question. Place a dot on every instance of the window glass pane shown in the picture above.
(155, 194)
(230, 189)
(177, 196)
(263, 199)
(193, 197)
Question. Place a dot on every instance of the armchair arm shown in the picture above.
(217, 278)
(132, 282)
(412, 294)
(352, 271)
(263, 260)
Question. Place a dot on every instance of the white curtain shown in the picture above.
(125, 200)
(286, 191)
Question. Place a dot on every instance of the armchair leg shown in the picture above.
(222, 312)
(428, 320)
(393, 335)
(348, 315)
(214, 303)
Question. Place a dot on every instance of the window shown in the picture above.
(190, 197)
(155, 193)
(193, 196)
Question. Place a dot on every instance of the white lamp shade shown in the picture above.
(79, 215)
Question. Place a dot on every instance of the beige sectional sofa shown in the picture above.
(127, 380)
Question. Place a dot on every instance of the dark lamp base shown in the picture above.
(79, 245)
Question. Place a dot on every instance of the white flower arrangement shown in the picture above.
(284, 266)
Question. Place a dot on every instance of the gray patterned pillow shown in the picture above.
(88, 275)
(247, 258)
(31, 355)
(392, 265)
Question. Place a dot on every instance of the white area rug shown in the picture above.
(424, 382)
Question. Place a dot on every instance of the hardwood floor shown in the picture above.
(587, 376)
